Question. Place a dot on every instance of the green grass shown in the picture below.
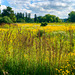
(23, 53)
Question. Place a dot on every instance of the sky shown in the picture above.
(60, 8)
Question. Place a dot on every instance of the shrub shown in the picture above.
(5, 19)
(43, 23)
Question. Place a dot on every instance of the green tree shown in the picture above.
(20, 20)
(39, 19)
(0, 10)
(26, 17)
(5, 19)
(10, 13)
(71, 17)
(57, 19)
(23, 15)
(35, 18)
(1, 20)
(47, 17)
(29, 15)
(29, 18)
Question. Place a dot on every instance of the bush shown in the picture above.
(5, 19)
(43, 23)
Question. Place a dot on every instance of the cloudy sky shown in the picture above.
(60, 8)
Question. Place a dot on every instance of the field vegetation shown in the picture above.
(31, 49)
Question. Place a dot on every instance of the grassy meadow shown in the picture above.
(31, 49)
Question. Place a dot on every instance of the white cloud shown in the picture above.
(21, 10)
(60, 8)
(0, 1)
(3, 7)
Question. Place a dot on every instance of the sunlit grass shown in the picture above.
(24, 51)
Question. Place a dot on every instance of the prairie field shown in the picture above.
(31, 49)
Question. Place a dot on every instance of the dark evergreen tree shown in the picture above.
(29, 15)
(23, 16)
(35, 18)
(26, 17)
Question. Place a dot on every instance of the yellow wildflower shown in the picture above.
(59, 71)
(56, 69)
(67, 71)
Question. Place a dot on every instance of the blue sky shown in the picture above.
(5, 2)
(60, 8)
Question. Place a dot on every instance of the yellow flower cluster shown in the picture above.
(66, 69)
(47, 28)
(3, 29)
(50, 27)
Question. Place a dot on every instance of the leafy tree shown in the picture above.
(71, 17)
(5, 19)
(54, 18)
(48, 18)
(17, 15)
(51, 19)
(20, 17)
(20, 20)
(44, 19)
(39, 19)
(10, 13)
(57, 19)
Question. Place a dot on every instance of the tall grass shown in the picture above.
(22, 53)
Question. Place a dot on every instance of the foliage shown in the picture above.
(0, 19)
(20, 20)
(26, 17)
(48, 18)
(21, 17)
(71, 17)
(35, 18)
(5, 19)
(22, 53)
(44, 24)
(10, 13)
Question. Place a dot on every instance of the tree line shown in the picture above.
(8, 16)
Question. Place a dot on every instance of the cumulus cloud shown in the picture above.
(3, 7)
(60, 8)
(0, 1)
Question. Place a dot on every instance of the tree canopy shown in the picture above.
(71, 17)
(5, 19)
(48, 18)
(26, 17)
(10, 13)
